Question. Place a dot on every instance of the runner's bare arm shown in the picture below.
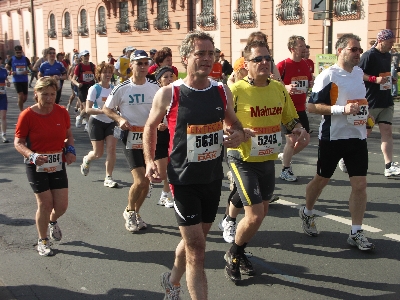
(232, 124)
(325, 109)
(161, 101)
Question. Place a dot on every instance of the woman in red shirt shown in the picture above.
(43, 136)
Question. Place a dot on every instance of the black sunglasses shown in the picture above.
(355, 49)
(140, 63)
(259, 59)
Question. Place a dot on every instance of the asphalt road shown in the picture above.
(99, 259)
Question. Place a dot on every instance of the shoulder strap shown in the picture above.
(98, 89)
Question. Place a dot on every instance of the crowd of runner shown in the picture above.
(179, 132)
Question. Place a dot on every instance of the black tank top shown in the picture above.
(195, 124)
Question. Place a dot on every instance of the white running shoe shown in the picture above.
(43, 247)
(55, 232)
(229, 232)
(287, 174)
(360, 241)
(140, 223)
(130, 220)
(171, 291)
(78, 121)
(166, 200)
(222, 224)
(109, 182)
(85, 166)
(342, 165)
(394, 170)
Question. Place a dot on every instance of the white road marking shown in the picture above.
(393, 236)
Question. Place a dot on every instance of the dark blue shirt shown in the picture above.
(46, 69)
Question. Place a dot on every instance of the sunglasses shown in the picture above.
(140, 63)
(51, 53)
(86, 54)
(259, 59)
(355, 49)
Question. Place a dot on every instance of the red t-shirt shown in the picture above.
(216, 71)
(65, 64)
(310, 64)
(87, 74)
(293, 72)
(154, 67)
(111, 61)
(44, 133)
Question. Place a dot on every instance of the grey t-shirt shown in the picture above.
(395, 59)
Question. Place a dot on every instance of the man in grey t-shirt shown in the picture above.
(394, 70)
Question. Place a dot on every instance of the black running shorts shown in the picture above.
(98, 130)
(196, 203)
(162, 144)
(134, 157)
(21, 87)
(353, 151)
(255, 181)
(42, 181)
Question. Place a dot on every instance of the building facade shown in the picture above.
(108, 26)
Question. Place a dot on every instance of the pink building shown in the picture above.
(111, 25)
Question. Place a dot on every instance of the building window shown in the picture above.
(123, 24)
(162, 21)
(206, 19)
(142, 23)
(245, 15)
(347, 9)
(51, 33)
(101, 27)
(66, 31)
(83, 29)
(290, 12)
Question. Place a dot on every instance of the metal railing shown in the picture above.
(162, 23)
(51, 33)
(83, 30)
(123, 27)
(66, 32)
(141, 25)
(101, 29)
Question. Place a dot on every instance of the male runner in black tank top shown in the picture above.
(197, 114)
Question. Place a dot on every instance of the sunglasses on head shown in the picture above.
(355, 49)
(259, 59)
(141, 63)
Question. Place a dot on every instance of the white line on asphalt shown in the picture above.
(328, 216)
(393, 236)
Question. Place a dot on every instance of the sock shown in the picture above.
(236, 249)
(128, 209)
(53, 223)
(229, 218)
(388, 165)
(285, 168)
(164, 194)
(355, 228)
(3, 134)
(308, 212)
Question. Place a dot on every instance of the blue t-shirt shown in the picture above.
(3, 76)
(46, 69)
(19, 65)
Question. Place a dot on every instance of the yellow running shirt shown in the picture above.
(262, 109)
(123, 67)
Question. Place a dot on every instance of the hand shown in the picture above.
(291, 88)
(80, 85)
(381, 80)
(162, 127)
(41, 159)
(351, 109)
(8, 84)
(123, 124)
(234, 138)
(152, 172)
(248, 133)
(70, 158)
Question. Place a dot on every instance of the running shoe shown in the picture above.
(5, 140)
(287, 174)
(85, 166)
(140, 223)
(274, 198)
(86, 127)
(43, 247)
(149, 192)
(222, 224)
(109, 182)
(342, 165)
(394, 170)
(246, 267)
(229, 231)
(232, 267)
(171, 291)
(231, 180)
(55, 232)
(166, 200)
(309, 225)
(78, 121)
(360, 241)
(130, 221)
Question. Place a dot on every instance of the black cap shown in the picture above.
(162, 70)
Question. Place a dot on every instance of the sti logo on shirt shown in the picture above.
(138, 98)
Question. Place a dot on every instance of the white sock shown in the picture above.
(308, 212)
(355, 228)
